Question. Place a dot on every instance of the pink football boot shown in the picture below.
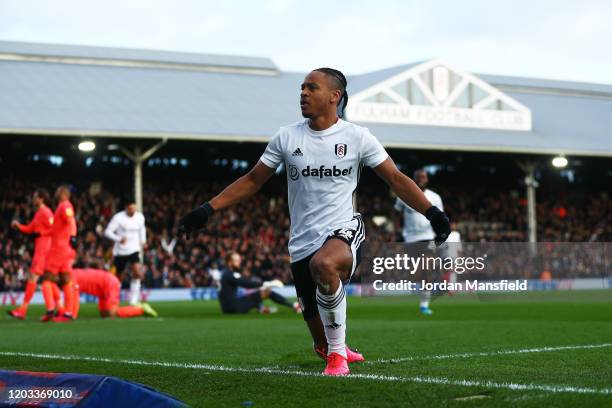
(336, 365)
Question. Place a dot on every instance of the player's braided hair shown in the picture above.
(340, 82)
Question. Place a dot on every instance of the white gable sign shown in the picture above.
(434, 94)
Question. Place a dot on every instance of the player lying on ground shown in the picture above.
(107, 288)
(323, 156)
(40, 230)
(231, 280)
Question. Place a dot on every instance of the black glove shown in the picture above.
(439, 222)
(194, 220)
(73, 242)
(35, 235)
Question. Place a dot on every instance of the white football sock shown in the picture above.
(134, 291)
(332, 309)
(425, 297)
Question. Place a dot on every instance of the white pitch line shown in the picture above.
(374, 377)
(489, 353)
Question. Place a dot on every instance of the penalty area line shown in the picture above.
(371, 377)
(489, 353)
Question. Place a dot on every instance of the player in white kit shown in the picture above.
(417, 228)
(127, 229)
(454, 247)
(323, 156)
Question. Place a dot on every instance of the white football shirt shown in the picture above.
(453, 243)
(131, 228)
(416, 226)
(323, 169)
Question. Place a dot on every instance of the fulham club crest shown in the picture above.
(340, 150)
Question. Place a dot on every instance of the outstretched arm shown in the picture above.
(402, 186)
(242, 188)
(411, 194)
(243, 282)
(25, 228)
(239, 190)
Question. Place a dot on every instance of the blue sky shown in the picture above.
(549, 39)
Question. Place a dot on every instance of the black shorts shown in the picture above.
(243, 304)
(121, 261)
(305, 287)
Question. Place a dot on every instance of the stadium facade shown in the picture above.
(74, 90)
(64, 90)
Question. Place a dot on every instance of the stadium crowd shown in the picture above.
(259, 228)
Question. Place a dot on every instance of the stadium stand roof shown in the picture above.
(138, 58)
(94, 91)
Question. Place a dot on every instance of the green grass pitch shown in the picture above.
(464, 355)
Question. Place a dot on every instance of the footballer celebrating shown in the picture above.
(127, 229)
(323, 156)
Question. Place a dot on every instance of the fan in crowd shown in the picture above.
(167, 262)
